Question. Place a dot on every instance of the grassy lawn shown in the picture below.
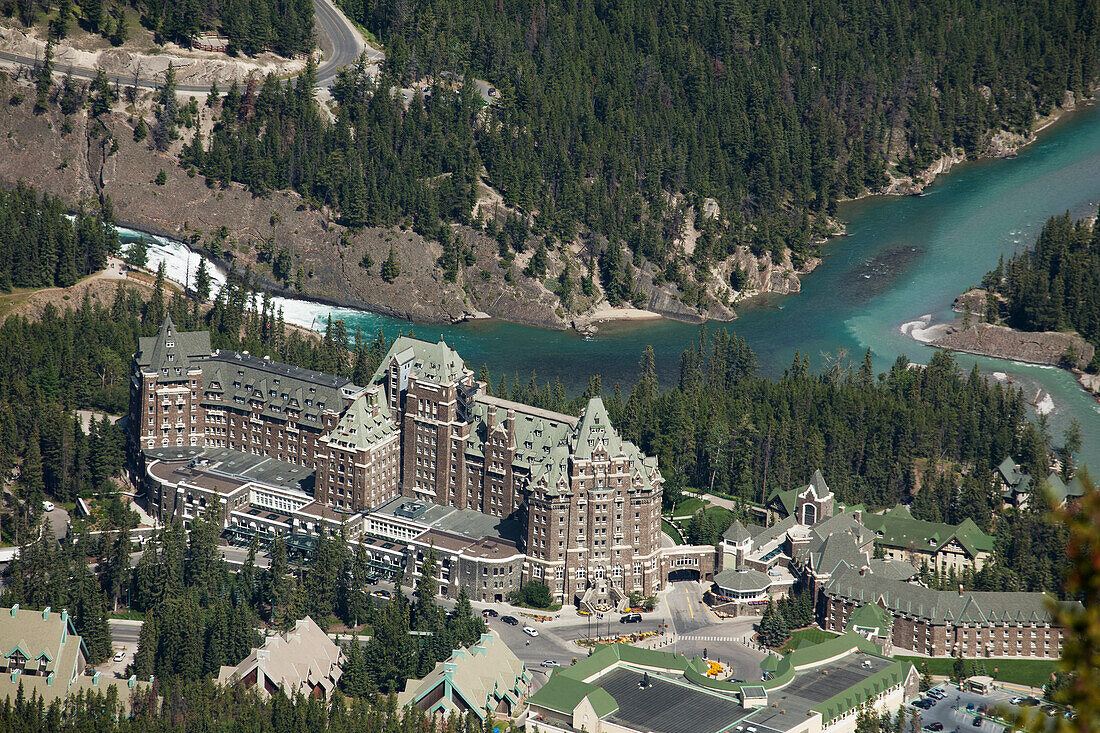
(671, 531)
(687, 507)
(811, 634)
(129, 616)
(1030, 672)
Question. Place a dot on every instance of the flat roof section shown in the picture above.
(791, 705)
(665, 706)
(468, 523)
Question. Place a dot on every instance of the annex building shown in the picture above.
(833, 556)
(44, 656)
(485, 679)
(624, 689)
(276, 449)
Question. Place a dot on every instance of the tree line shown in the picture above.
(284, 27)
(40, 246)
(251, 26)
(179, 705)
(1054, 285)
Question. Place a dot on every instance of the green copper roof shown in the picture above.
(563, 694)
(869, 616)
(436, 362)
(898, 528)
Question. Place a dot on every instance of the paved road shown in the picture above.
(124, 633)
(59, 522)
(340, 43)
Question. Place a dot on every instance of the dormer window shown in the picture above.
(171, 357)
(169, 344)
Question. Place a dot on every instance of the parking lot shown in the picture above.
(960, 709)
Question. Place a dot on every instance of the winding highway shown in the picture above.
(339, 41)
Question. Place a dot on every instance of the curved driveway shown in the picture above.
(339, 41)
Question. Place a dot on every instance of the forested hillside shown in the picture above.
(1054, 285)
(615, 120)
(252, 26)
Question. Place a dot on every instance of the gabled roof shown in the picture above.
(1013, 475)
(898, 528)
(171, 348)
(869, 616)
(480, 675)
(366, 423)
(297, 660)
(434, 362)
(564, 694)
(939, 607)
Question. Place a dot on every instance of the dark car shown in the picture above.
(977, 723)
(934, 727)
(489, 613)
(631, 618)
(510, 620)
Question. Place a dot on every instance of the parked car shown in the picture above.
(383, 593)
(924, 703)
(631, 618)
(120, 656)
(937, 726)
(1016, 700)
(937, 693)
(489, 613)
(551, 663)
(372, 579)
(977, 723)
(47, 506)
(530, 631)
(510, 620)
(970, 707)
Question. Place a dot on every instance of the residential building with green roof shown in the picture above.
(945, 623)
(42, 655)
(942, 547)
(486, 679)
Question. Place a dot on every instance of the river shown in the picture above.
(904, 258)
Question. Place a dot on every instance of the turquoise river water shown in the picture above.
(905, 259)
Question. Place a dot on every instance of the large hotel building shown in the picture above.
(578, 505)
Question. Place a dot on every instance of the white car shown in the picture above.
(530, 631)
(1016, 700)
(551, 663)
(47, 506)
(120, 656)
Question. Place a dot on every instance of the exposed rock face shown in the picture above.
(1045, 347)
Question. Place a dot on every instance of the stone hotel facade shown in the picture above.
(587, 501)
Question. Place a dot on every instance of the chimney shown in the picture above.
(960, 590)
(46, 613)
(14, 610)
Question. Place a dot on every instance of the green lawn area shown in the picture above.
(671, 531)
(1031, 672)
(687, 507)
(129, 616)
(812, 634)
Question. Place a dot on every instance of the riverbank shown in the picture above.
(1044, 349)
